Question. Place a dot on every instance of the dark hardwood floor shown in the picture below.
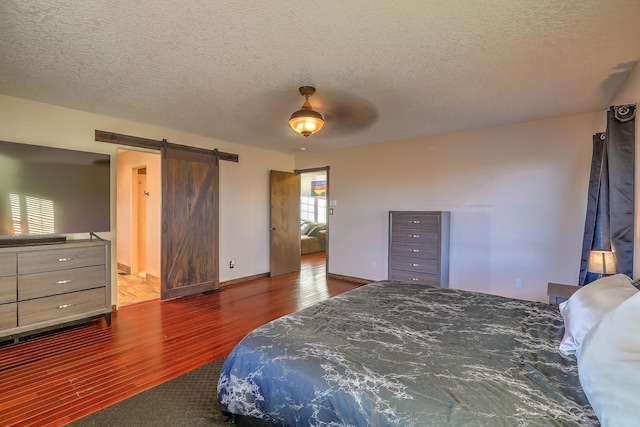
(61, 376)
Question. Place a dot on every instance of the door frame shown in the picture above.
(135, 220)
(122, 141)
(329, 207)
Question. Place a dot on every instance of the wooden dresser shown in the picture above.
(419, 247)
(44, 286)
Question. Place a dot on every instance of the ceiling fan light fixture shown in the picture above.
(306, 121)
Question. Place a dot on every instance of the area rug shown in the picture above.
(188, 400)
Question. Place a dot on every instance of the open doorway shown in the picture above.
(314, 212)
(138, 226)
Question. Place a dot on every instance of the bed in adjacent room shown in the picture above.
(400, 354)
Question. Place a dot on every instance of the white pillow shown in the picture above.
(609, 366)
(588, 305)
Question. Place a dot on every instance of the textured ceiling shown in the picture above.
(383, 70)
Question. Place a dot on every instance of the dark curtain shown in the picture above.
(609, 223)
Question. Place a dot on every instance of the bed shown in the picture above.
(400, 354)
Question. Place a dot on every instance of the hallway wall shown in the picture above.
(127, 161)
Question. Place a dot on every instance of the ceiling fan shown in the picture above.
(342, 112)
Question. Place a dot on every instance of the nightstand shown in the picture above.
(558, 292)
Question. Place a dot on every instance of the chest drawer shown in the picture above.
(8, 315)
(8, 290)
(414, 251)
(415, 237)
(60, 306)
(60, 259)
(414, 221)
(413, 277)
(38, 285)
(429, 266)
(7, 264)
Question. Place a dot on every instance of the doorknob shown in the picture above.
(272, 229)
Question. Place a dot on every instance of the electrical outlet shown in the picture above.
(519, 283)
(232, 263)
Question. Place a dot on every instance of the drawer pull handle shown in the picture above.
(415, 221)
(414, 250)
(64, 259)
(415, 236)
(62, 282)
(414, 265)
(65, 305)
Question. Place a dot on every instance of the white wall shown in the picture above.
(244, 196)
(517, 196)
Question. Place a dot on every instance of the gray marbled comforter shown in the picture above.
(398, 354)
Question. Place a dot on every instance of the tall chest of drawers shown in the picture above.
(419, 247)
(44, 286)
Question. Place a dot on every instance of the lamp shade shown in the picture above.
(305, 121)
(602, 262)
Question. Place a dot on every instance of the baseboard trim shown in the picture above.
(227, 283)
(156, 280)
(232, 282)
(124, 268)
(349, 278)
(265, 275)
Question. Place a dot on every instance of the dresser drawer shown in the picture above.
(414, 237)
(8, 315)
(429, 266)
(8, 291)
(60, 306)
(60, 259)
(412, 277)
(414, 221)
(7, 264)
(38, 285)
(414, 251)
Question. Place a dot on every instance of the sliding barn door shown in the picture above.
(189, 223)
(285, 222)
